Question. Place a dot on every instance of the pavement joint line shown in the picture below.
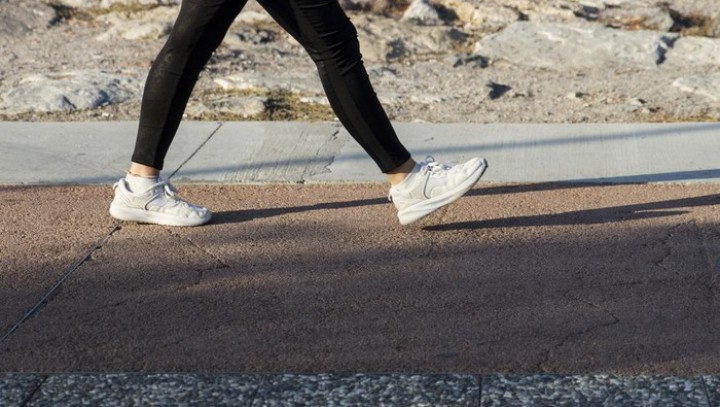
(479, 378)
(705, 390)
(263, 382)
(197, 150)
(32, 394)
(45, 298)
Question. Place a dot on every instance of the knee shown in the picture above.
(185, 51)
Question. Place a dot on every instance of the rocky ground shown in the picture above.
(438, 61)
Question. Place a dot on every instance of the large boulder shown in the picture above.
(149, 24)
(384, 40)
(702, 85)
(653, 18)
(422, 12)
(68, 91)
(565, 47)
(481, 17)
(694, 51)
(19, 18)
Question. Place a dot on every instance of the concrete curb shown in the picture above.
(298, 152)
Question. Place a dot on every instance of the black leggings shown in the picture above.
(320, 26)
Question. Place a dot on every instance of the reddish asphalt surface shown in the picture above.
(321, 278)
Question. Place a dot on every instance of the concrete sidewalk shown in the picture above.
(568, 269)
(271, 152)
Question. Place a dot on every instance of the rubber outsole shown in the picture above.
(143, 216)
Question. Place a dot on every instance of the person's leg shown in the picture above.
(142, 196)
(330, 38)
(199, 29)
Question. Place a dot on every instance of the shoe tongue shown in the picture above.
(138, 183)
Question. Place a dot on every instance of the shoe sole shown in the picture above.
(143, 216)
(424, 208)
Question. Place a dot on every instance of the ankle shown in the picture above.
(396, 179)
(140, 183)
(141, 170)
(400, 174)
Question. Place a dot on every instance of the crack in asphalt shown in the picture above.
(219, 263)
(712, 283)
(665, 242)
(540, 366)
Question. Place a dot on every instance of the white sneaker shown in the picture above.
(158, 204)
(432, 185)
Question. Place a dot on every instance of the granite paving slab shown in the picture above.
(712, 386)
(592, 390)
(369, 390)
(16, 389)
(128, 389)
(389, 389)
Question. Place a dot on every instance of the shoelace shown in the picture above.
(435, 168)
(168, 187)
(432, 167)
(171, 193)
